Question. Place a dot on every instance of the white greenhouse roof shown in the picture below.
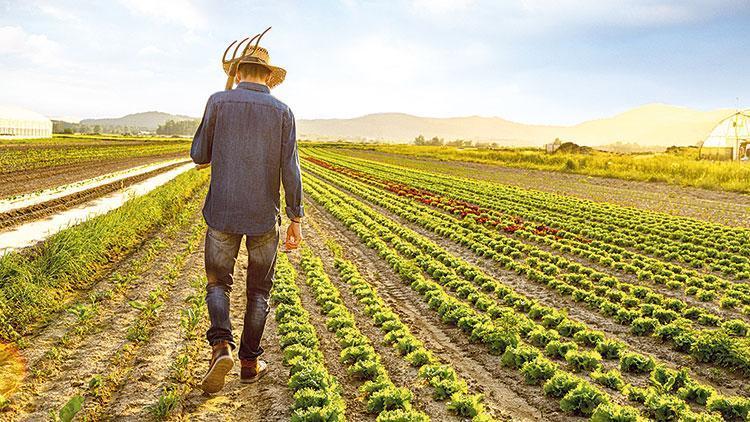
(729, 131)
(18, 113)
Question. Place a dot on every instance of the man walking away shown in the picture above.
(248, 137)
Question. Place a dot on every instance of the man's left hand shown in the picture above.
(293, 235)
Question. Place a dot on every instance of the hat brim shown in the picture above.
(278, 74)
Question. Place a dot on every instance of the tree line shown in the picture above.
(169, 128)
(179, 127)
(435, 141)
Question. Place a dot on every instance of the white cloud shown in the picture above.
(36, 48)
(58, 13)
(181, 12)
(150, 50)
(441, 7)
(376, 59)
(620, 13)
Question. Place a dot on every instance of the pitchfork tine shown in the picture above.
(224, 57)
(244, 51)
(258, 40)
(234, 54)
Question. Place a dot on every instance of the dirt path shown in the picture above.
(504, 389)
(268, 400)
(25, 181)
(151, 367)
(716, 206)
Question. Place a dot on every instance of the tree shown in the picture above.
(419, 140)
(180, 127)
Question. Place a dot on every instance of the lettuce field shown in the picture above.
(422, 292)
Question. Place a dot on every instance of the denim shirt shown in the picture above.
(250, 139)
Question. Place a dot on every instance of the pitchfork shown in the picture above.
(233, 62)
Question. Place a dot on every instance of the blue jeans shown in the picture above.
(221, 254)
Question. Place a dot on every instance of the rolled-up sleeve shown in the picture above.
(291, 176)
(203, 140)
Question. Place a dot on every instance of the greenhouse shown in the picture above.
(730, 139)
(18, 123)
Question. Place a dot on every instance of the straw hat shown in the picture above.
(251, 54)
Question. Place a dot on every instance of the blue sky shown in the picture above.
(552, 62)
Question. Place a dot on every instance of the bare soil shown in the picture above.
(22, 215)
(25, 181)
(267, 400)
(95, 353)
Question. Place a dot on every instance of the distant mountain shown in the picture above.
(149, 120)
(649, 125)
(399, 127)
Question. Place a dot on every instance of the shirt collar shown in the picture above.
(254, 87)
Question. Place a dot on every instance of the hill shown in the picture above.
(401, 127)
(149, 120)
(650, 125)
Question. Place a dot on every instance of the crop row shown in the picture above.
(533, 333)
(193, 318)
(383, 398)
(317, 394)
(571, 235)
(622, 302)
(719, 241)
(519, 206)
(22, 159)
(181, 378)
(499, 334)
(445, 382)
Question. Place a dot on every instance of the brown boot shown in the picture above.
(221, 364)
(252, 370)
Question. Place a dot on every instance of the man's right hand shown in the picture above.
(293, 235)
(202, 166)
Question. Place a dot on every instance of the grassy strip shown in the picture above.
(384, 399)
(317, 394)
(34, 286)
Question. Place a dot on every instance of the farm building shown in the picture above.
(16, 123)
(729, 140)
